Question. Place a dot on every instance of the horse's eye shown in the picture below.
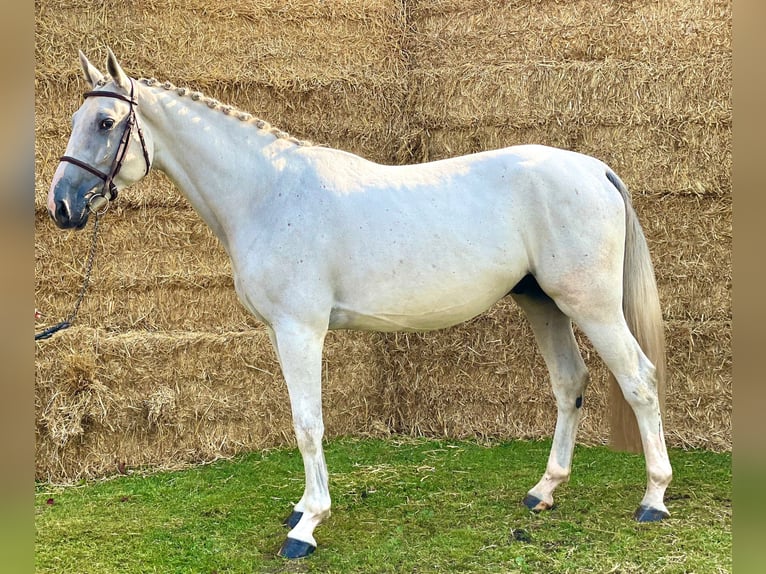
(106, 124)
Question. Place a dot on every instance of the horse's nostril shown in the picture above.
(62, 212)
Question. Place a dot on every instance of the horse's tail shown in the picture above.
(641, 305)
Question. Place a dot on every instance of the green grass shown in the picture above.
(398, 506)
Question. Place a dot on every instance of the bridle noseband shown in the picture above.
(98, 202)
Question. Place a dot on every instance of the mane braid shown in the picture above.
(214, 104)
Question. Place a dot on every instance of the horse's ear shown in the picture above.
(92, 75)
(118, 75)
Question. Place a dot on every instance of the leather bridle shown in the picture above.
(98, 202)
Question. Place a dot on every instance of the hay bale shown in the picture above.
(608, 92)
(470, 380)
(173, 398)
(486, 379)
(155, 269)
(270, 42)
(691, 242)
(699, 396)
(455, 32)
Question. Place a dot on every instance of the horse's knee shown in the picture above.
(308, 434)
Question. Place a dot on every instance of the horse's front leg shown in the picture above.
(299, 348)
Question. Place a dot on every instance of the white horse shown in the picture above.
(322, 239)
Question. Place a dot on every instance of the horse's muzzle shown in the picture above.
(65, 219)
(65, 207)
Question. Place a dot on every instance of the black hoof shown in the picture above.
(535, 504)
(292, 520)
(293, 548)
(649, 514)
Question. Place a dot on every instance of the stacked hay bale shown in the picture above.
(645, 87)
(165, 367)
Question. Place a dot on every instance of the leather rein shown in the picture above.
(98, 202)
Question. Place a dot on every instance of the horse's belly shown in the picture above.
(434, 275)
(417, 311)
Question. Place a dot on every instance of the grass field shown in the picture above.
(402, 505)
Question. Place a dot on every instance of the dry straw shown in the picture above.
(326, 71)
(457, 32)
(608, 92)
(165, 367)
(107, 400)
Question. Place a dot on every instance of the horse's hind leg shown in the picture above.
(569, 378)
(635, 374)
(603, 322)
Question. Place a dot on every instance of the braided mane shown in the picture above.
(214, 104)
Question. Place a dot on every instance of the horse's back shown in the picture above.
(493, 176)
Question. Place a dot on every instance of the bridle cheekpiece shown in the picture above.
(99, 202)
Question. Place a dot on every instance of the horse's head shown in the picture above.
(107, 151)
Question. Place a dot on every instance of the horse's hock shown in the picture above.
(165, 367)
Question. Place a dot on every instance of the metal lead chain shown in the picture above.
(66, 323)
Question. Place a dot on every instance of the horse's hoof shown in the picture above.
(292, 520)
(535, 504)
(649, 514)
(293, 548)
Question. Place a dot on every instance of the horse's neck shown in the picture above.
(223, 165)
